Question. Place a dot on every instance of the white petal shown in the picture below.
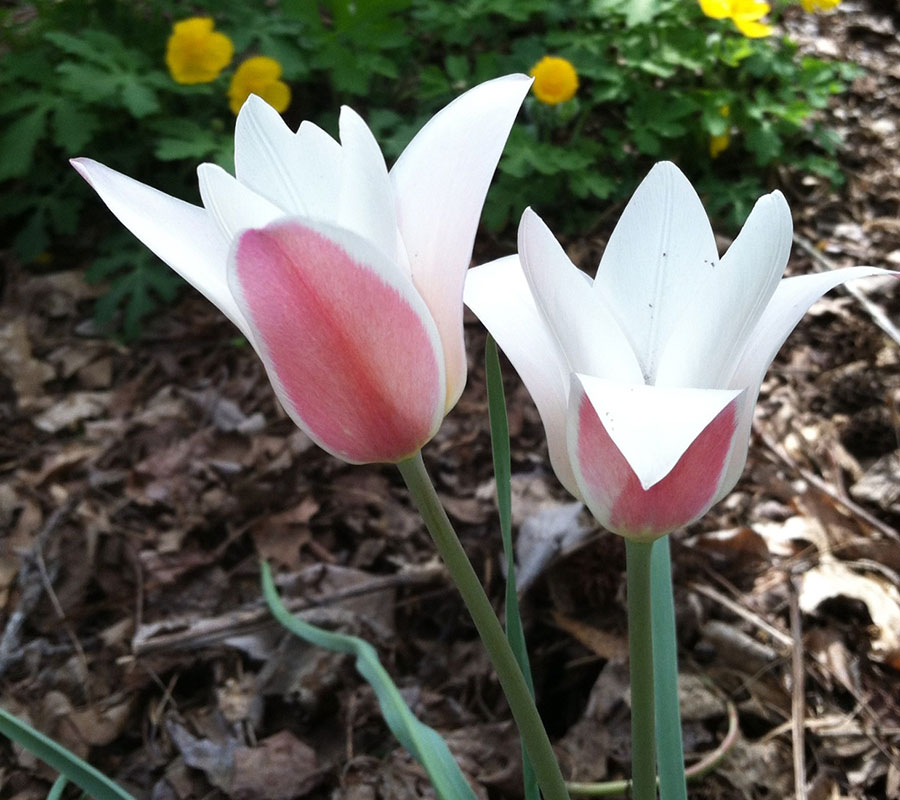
(232, 205)
(726, 305)
(440, 183)
(791, 301)
(653, 426)
(317, 171)
(366, 196)
(265, 156)
(181, 234)
(586, 330)
(657, 257)
(498, 294)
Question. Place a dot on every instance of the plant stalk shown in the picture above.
(521, 703)
(640, 648)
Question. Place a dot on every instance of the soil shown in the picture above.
(140, 485)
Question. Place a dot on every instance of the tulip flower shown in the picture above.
(646, 377)
(346, 278)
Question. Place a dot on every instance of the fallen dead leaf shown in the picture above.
(832, 579)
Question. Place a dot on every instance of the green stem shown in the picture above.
(640, 648)
(670, 747)
(521, 703)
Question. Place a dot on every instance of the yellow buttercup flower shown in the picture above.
(819, 5)
(259, 75)
(195, 52)
(555, 80)
(717, 144)
(745, 14)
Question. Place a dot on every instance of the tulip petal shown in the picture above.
(585, 328)
(366, 197)
(185, 236)
(440, 182)
(231, 204)
(319, 171)
(792, 299)
(299, 173)
(657, 257)
(350, 347)
(498, 294)
(648, 459)
(728, 302)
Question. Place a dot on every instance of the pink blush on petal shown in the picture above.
(679, 498)
(351, 357)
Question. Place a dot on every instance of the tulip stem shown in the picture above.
(521, 703)
(640, 649)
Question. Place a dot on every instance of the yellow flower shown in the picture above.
(195, 53)
(555, 80)
(745, 14)
(819, 5)
(719, 143)
(259, 75)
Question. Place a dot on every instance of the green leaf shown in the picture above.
(765, 143)
(82, 774)
(73, 127)
(423, 743)
(639, 11)
(17, 143)
(137, 97)
(515, 634)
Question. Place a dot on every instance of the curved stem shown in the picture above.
(707, 764)
(514, 686)
(640, 649)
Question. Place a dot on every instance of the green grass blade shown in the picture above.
(59, 786)
(670, 748)
(502, 475)
(422, 742)
(92, 781)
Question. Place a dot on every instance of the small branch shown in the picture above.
(824, 264)
(213, 630)
(798, 698)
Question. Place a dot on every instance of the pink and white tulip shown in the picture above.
(646, 377)
(345, 277)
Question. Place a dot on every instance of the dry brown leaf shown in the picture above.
(601, 643)
(28, 374)
(71, 410)
(832, 579)
(279, 768)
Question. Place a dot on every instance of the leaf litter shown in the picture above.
(140, 486)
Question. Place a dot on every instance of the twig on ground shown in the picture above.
(822, 263)
(213, 630)
(31, 586)
(819, 484)
(798, 698)
(782, 638)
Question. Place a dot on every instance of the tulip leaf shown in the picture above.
(423, 743)
(93, 782)
(669, 743)
(503, 475)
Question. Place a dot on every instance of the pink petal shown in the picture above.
(349, 346)
(611, 487)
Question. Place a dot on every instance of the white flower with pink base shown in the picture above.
(345, 277)
(646, 377)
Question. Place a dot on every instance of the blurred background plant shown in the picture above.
(151, 88)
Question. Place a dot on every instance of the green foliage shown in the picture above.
(89, 79)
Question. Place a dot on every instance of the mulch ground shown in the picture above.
(140, 485)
